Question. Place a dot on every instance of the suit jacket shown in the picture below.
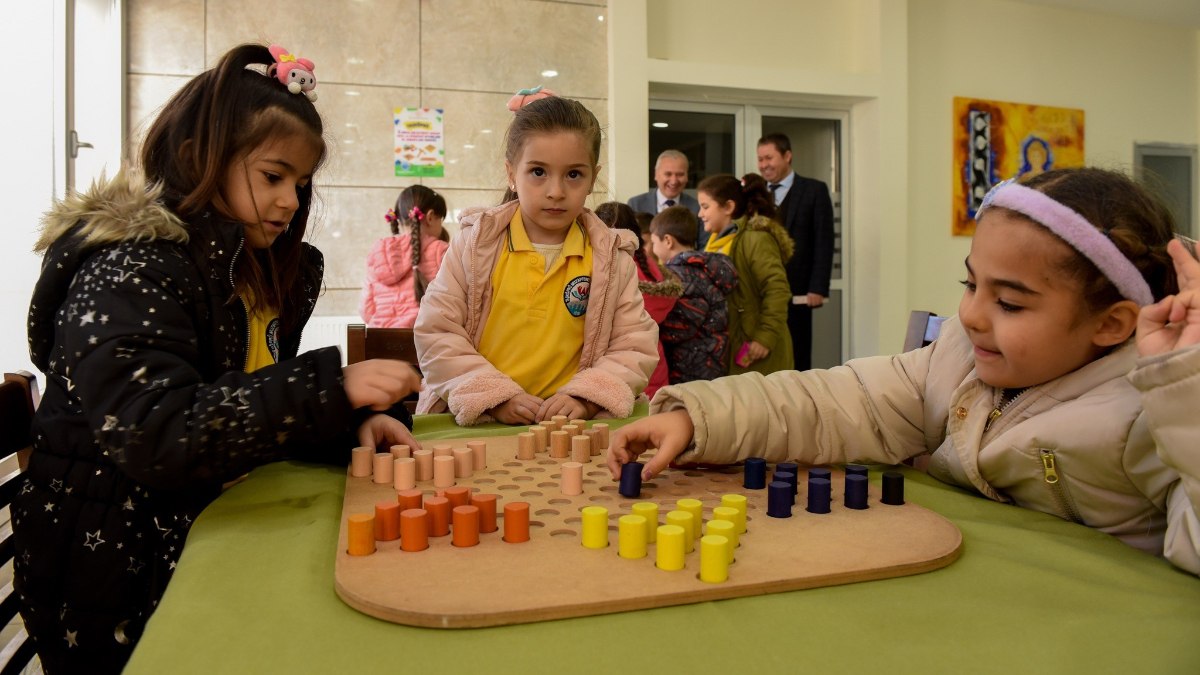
(807, 215)
(647, 202)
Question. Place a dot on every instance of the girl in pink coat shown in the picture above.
(400, 267)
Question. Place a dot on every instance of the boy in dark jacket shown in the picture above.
(695, 335)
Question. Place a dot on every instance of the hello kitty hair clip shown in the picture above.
(294, 73)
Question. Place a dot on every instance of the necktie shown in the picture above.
(669, 203)
(774, 194)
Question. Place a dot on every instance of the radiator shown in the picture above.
(327, 331)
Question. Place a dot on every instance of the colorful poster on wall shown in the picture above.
(420, 147)
(995, 141)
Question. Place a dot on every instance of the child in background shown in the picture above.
(1024, 397)
(400, 267)
(167, 320)
(739, 215)
(696, 332)
(659, 290)
(536, 311)
(1168, 375)
(643, 222)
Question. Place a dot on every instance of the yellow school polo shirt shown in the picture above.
(263, 349)
(534, 332)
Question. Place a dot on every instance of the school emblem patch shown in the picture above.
(575, 295)
(273, 339)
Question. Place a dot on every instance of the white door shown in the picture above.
(93, 131)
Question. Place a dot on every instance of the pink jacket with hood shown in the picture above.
(388, 298)
(620, 344)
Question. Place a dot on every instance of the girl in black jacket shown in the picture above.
(167, 320)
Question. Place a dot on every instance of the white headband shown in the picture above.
(1074, 229)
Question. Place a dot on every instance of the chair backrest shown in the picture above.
(18, 396)
(923, 328)
(364, 343)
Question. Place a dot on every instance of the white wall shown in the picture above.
(1134, 81)
(27, 187)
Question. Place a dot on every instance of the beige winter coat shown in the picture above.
(620, 343)
(1086, 428)
(1170, 386)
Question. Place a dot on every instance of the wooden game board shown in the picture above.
(553, 576)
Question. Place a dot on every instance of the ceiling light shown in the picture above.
(659, 125)
(549, 73)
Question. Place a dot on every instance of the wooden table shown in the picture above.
(1031, 593)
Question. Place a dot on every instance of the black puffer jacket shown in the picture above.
(147, 412)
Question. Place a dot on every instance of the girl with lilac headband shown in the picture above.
(1025, 397)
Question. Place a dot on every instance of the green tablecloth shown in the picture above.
(1031, 593)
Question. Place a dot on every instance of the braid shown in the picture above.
(419, 281)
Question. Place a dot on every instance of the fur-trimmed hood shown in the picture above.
(763, 224)
(668, 287)
(124, 208)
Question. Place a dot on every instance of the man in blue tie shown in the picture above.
(806, 212)
(671, 176)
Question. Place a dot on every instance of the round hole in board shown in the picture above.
(546, 512)
(484, 481)
(564, 533)
(600, 498)
(534, 469)
(547, 485)
(512, 464)
(547, 461)
(559, 501)
(556, 476)
(693, 474)
(522, 478)
(608, 488)
(498, 472)
(683, 482)
(719, 479)
(649, 485)
(536, 523)
(614, 528)
(531, 493)
(510, 487)
(571, 520)
(597, 473)
(678, 492)
(588, 481)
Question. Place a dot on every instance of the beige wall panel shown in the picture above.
(361, 41)
(358, 126)
(488, 45)
(147, 95)
(155, 24)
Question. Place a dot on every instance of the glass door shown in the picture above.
(723, 138)
(817, 152)
(712, 137)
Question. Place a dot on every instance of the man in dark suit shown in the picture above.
(806, 212)
(671, 175)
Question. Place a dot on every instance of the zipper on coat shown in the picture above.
(1004, 400)
(245, 309)
(1058, 487)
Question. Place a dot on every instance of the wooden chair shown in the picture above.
(364, 343)
(18, 397)
(923, 328)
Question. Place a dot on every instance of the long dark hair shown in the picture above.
(619, 216)
(750, 195)
(413, 207)
(216, 119)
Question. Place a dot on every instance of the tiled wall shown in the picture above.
(466, 56)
